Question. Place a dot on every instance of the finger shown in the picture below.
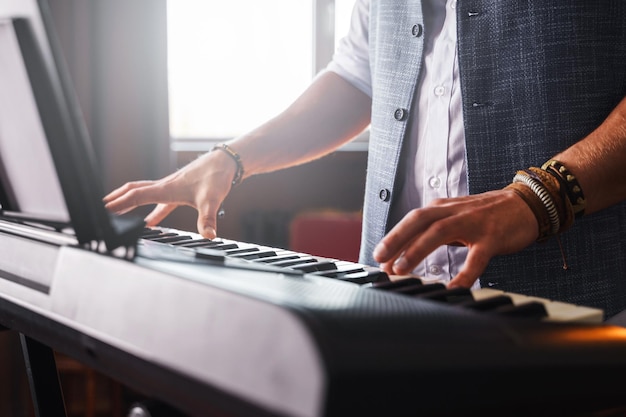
(437, 234)
(475, 264)
(394, 243)
(387, 267)
(124, 189)
(207, 220)
(160, 212)
(151, 193)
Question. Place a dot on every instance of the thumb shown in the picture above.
(207, 220)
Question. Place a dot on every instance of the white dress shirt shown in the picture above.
(435, 162)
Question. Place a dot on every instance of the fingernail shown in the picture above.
(401, 266)
(380, 251)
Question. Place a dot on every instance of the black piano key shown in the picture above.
(421, 288)
(255, 255)
(341, 268)
(531, 310)
(171, 239)
(191, 241)
(487, 304)
(150, 232)
(347, 267)
(451, 295)
(391, 285)
(315, 266)
(201, 243)
(293, 262)
(367, 276)
(218, 245)
(223, 246)
(278, 257)
(238, 251)
(341, 271)
(160, 236)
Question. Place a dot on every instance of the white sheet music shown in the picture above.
(31, 177)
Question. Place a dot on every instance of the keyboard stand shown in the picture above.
(43, 378)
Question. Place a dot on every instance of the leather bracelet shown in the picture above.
(527, 178)
(569, 183)
(235, 157)
(559, 196)
(534, 203)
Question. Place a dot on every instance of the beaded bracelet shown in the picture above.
(569, 183)
(235, 156)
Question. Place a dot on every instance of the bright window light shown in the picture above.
(235, 64)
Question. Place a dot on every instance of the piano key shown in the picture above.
(202, 243)
(341, 270)
(255, 255)
(239, 250)
(368, 276)
(171, 239)
(420, 288)
(279, 257)
(531, 310)
(223, 246)
(150, 232)
(488, 303)
(397, 283)
(344, 268)
(194, 242)
(447, 295)
(160, 236)
(316, 266)
(293, 262)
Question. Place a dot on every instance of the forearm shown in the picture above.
(328, 114)
(599, 162)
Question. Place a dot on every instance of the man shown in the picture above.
(454, 115)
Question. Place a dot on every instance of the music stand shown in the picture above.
(48, 170)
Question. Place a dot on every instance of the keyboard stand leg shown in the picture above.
(43, 378)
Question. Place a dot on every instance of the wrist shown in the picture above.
(235, 158)
(553, 195)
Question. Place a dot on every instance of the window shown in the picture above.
(235, 64)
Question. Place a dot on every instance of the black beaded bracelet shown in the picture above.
(568, 182)
(235, 156)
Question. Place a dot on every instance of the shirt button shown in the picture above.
(440, 90)
(435, 269)
(434, 182)
(400, 114)
(384, 194)
(453, 4)
(417, 30)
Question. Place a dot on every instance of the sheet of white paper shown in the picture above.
(24, 152)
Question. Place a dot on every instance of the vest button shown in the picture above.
(400, 114)
(384, 194)
(417, 30)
